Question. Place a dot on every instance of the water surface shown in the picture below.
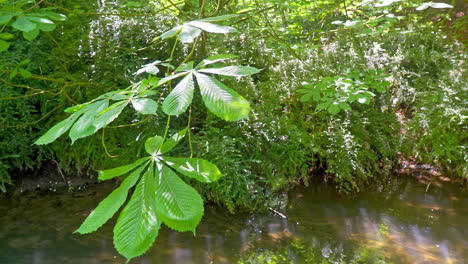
(400, 223)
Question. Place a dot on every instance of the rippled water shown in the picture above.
(401, 224)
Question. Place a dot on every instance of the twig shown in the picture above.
(278, 213)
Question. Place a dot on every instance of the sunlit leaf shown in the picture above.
(188, 34)
(199, 169)
(138, 225)
(145, 106)
(39, 20)
(55, 16)
(173, 141)
(212, 28)
(221, 100)
(214, 59)
(178, 205)
(180, 98)
(433, 5)
(149, 68)
(237, 71)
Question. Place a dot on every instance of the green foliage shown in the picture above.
(389, 80)
(27, 17)
(335, 94)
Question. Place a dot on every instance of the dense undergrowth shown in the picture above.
(418, 110)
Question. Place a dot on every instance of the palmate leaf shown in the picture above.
(107, 207)
(178, 205)
(138, 225)
(221, 100)
(180, 98)
(199, 169)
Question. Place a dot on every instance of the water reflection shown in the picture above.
(402, 225)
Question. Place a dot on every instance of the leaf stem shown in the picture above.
(188, 131)
(104, 145)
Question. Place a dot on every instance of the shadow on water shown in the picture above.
(399, 225)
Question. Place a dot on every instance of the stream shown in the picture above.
(397, 223)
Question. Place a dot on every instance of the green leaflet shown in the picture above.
(23, 24)
(199, 169)
(5, 18)
(4, 45)
(145, 106)
(84, 126)
(211, 28)
(214, 59)
(170, 33)
(111, 173)
(60, 128)
(236, 71)
(190, 30)
(180, 98)
(153, 144)
(172, 141)
(46, 27)
(108, 115)
(185, 67)
(188, 34)
(138, 225)
(30, 35)
(178, 205)
(218, 18)
(107, 207)
(221, 100)
(171, 77)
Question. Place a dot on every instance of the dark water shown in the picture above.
(397, 224)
